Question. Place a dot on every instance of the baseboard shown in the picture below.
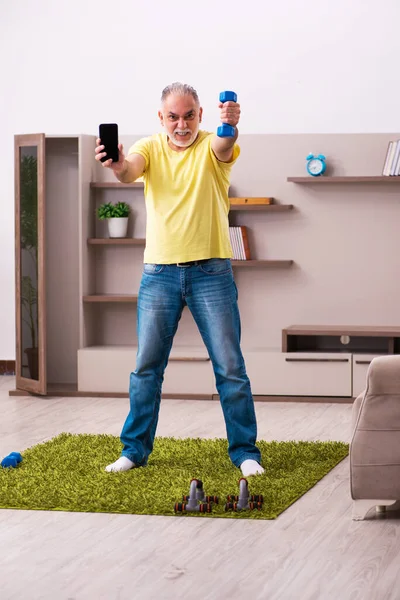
(7, 367)
(316, 399)
(70, 390)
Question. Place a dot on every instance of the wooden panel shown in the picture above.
(115, 184)
(250, 201)
(37, 386)
(116, 241)
(300, 399)
(111, 298)
(87, 258)
(262, 263)
(263, 207)
(63, 179)
(356, 330)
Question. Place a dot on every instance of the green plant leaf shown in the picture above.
(110, 210)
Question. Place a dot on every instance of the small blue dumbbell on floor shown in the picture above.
(226, 130)
(11, 460)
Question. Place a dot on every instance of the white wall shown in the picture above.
(297, 66)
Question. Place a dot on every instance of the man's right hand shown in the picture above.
(117, 167)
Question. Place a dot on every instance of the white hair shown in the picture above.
(180, 89)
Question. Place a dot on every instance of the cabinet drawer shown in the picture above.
(299, 373)
(108, 369)
(361, 364)
(189, 375)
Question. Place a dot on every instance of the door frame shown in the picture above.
(25, 383)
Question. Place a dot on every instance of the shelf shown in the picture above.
(251, 200)
(244, 206)
(116, 241)
(354, 339)
(359, 330)
(347, 179)
(111, 298)
(265, 207)
(262, 263)
(139, 242)
(114, 184)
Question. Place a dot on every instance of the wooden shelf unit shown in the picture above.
(189, 372)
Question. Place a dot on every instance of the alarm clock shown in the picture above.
(316, 165)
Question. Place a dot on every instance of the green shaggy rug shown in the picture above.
(67, 474)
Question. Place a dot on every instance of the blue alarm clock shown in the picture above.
(316, 165)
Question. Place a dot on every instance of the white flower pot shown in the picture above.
(118, 227)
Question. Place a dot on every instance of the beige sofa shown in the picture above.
(375, 443)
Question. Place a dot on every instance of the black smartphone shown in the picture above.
(108, 134)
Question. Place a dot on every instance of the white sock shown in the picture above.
(251, 467)
(122, 464)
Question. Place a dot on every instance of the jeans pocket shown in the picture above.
(216, 266)
(152, 269)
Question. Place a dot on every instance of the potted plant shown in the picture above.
(117, 218)
(29, 244)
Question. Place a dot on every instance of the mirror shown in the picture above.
(29, 328)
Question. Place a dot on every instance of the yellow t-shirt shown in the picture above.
(186, 200)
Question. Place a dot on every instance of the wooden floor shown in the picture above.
(312, 551)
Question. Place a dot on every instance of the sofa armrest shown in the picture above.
(383, 376)
(375, 442)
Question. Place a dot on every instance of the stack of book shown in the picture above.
(239, 243)
(391, 166)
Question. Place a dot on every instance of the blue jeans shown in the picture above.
(209, 291)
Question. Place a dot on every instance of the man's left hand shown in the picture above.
(230, 113)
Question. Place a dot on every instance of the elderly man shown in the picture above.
(186, 262)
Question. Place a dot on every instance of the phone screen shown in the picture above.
(108, 134)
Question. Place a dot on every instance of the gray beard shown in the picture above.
(184, 144)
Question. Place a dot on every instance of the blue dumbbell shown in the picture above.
(226, 130)
(11, 460)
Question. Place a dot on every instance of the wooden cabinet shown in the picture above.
(354, 346)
